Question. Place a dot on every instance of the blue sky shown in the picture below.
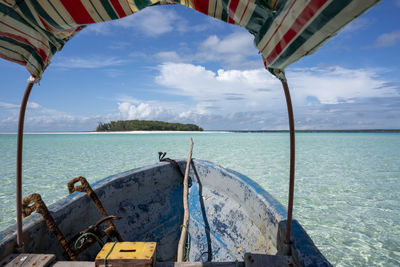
(171, 63)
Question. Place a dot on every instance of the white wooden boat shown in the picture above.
(230, 214)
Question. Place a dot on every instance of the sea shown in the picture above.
(347, 188)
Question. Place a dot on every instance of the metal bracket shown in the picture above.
(86, 187)
(33, 203)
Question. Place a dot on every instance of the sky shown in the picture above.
(174, 64)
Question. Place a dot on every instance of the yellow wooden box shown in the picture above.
(128, 254)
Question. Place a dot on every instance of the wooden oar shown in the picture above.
(182, 240)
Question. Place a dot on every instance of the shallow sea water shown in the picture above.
(347, 193)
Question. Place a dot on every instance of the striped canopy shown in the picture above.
(32, 31)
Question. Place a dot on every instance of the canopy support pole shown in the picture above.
(31, 81)
(292, 160)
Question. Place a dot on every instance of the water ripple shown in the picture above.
(347, 185)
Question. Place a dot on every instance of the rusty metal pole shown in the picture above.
(292, 161)
(20, 242)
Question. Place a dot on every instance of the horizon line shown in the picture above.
(233, 131)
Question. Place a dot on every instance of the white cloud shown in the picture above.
(129, 99)
(104, 28)
(94, 62)
(323, 98)
(238, 42)
(33, 105)
(253, 99)
(387, 39)
(131, 108)
(232, 51)
(142, 111)
(39, 118)
(335, 85)
(153, 21)
(230, 91)
(8, 106)
(4, 105)
(226, 90)
(222, 92)
(356, 25)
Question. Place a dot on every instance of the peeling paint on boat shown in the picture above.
(230, 215)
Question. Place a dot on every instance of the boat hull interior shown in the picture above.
(230, 215)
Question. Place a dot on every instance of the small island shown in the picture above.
(143, 125)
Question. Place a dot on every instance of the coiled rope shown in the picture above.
(78, 246)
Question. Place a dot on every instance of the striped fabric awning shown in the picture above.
(32, 31)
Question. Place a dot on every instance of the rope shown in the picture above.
(187, 247)
(161, 158)
(109, 252)
(111, 249)
(108, 235)
(78, 246)
(223, 245)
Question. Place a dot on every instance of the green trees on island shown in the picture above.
(140, 125)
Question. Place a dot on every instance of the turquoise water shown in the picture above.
(347, 193)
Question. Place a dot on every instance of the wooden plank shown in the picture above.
(25, 260)
(74, 264)
(200, 264)
(263, 260)
(8, 259)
